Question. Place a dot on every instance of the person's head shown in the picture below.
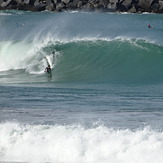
(49, 66)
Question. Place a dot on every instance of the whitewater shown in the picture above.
(104, 101)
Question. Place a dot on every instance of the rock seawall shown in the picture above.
(132, 6)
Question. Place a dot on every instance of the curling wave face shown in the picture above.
(83, 60)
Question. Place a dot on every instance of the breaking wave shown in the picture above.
(77, 144)
(86, 60)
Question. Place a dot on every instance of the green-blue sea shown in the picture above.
(104, 100)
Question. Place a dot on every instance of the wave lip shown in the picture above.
(45, 143)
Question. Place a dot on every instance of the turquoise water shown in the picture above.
(104, 101)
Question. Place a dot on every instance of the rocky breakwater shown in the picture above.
(132, 6)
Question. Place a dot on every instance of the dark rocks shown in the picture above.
(73, 5)
(77, 2)
(65, 1)
(127, 3)
(104, 3)
(132, 6)
(145, 5)
(49, 5)
(88, 7)
(112, 7)
(132, 10)
(59, 6)
(5, 3)
(113, 1)
(38, 6)
(79, 5)
(161, 6)
(26, 1)
(155, 7)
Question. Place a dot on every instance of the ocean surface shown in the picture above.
(104, 101)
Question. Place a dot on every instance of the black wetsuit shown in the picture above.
(48, 70)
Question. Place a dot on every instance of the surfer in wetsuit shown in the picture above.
(149, 26)
(48, 69)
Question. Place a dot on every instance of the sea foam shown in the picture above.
(78, 144)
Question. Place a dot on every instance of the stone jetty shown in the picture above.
(131, 6)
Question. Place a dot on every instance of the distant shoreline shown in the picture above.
(131, 6)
